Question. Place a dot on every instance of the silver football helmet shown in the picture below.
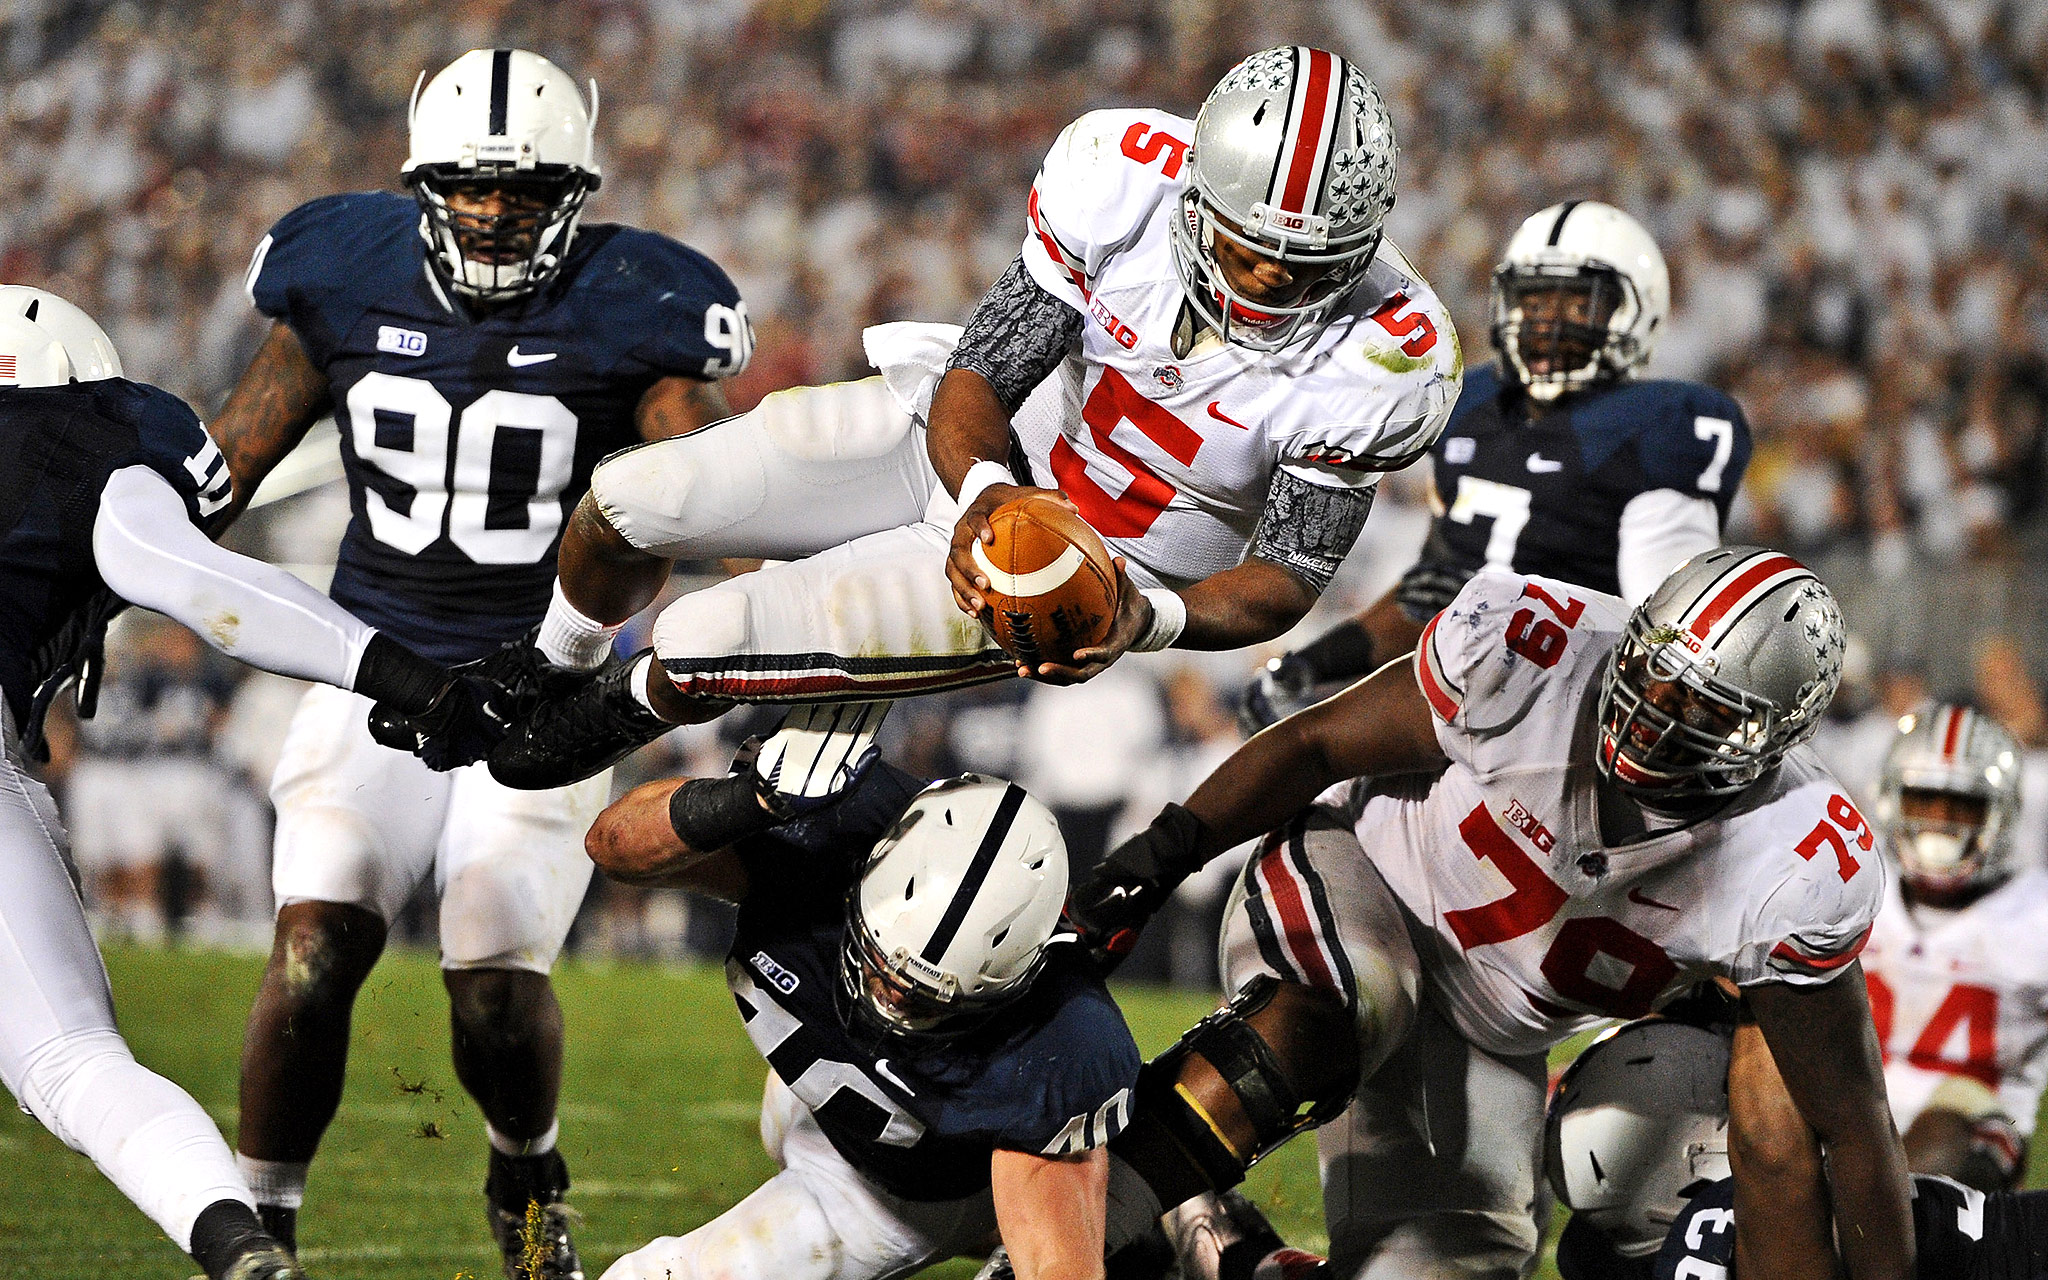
(953, 912)
(1638, 1122)
(1726, 667)
(47, 342)
(1954, 752)
(511, 122)
(1293, 158)
(1615, 292)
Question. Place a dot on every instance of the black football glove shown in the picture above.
(1108, 906)
(1283, 686)
(459, 727)
(520, 677)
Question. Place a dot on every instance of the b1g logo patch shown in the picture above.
(401, 342)
(778, 977)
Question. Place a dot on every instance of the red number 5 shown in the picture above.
(1130, 513)
(1145, 150)
(1417, 329)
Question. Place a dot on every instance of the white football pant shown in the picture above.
(1431, 1172)
(60, 1055)
(359, 823)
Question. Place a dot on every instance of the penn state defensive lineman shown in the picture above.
(943, 1070)
(481, 352)
(1205, 345)
(1558, 459)
(109, 490)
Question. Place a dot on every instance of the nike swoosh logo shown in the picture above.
(1216, 412)
(1542, 465)
(1636, 896)
(882, 1065)
(518, 361)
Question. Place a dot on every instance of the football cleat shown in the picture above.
(270, 1262)
(1225, 1237)
(523, 1197)
(580, 736)
(282, 1224)
(521, 678)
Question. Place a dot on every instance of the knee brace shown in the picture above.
(1276, 1107)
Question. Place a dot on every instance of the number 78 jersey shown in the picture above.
(1171, 457)
(1532, 924)
(466, 439)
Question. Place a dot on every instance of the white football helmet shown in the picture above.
(47, 342)
(1588, 248)
(1293, 158)
(1727, 666)
(952, 913)
(1637, 1124)
(1954, 751)
(510, 121)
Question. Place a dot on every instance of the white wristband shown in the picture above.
(570, 639)
(980, 476)
(1169, 619)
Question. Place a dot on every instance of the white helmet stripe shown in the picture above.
(977, 872)
(1311, 122)
(1746, 582)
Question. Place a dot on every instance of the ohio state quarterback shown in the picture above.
(1205, 344)
(1562, 813)
(1962, 1013)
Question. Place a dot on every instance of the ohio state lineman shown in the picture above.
(1626, 809)
(1205, 343)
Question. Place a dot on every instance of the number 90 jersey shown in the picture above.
(1534, 926)
(467, 439)
(1171, 457)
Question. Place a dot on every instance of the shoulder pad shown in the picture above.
(1689, 437)
(1098, 191)
(1831, 881)
(667, 306)
(325, 262)
(1486, 658)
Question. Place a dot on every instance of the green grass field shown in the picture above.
(659, 1124)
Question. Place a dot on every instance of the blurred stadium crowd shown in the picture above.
(1851, 195)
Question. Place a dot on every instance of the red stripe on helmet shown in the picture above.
(1953, 734)
(1297, 925)
(1311, 127)
(1732, 594)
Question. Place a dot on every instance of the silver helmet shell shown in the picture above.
(1293, 158)
(1638, 1122)
(1726, 667)
(1592, 247)
(1959, 752)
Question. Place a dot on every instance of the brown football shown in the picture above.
(1052, 582)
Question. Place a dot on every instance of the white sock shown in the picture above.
(276, 1182)
(540, 1146)
(637, 682)
(571, 638)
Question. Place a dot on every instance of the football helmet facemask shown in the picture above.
(502, 160)
(1726, 667)
(1579, 297)
(1293, 159)
(47, 342)
(953, 911)
(1960, 761)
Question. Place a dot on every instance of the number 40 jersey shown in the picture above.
(467, 438)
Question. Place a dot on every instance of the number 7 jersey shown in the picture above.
(1531, 924)
(467, 439)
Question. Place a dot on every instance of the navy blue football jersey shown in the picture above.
(467, 439)
(1961, 1234)
(1050, 1074)
(1545, 494)
(58, 445)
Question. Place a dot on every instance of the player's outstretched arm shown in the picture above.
(279, 398)
(1825, 1047)
(1052, 1212)
(1781, 1199)
(635, 841)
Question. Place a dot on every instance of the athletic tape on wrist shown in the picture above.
(980, 476)
(1169, 619)
(711, 813)
(569, 638)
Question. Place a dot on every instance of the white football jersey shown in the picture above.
(1170, 458)
(1532, 926)
(1963, 993)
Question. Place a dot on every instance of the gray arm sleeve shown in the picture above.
(1017, 336)
(150, 554)
(1307, 529)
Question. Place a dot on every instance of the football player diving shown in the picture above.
(112, 494)
(1205, 347)
(1961, 1012)
(946, 1068)
(1559, 459)
(480, 348)
(1560, 812)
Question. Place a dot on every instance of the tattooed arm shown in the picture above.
(676, 406)
(281, 395)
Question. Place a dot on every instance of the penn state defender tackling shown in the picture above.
(109, 490)
(481, 350)
(942, 1068)
(1558, 459)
